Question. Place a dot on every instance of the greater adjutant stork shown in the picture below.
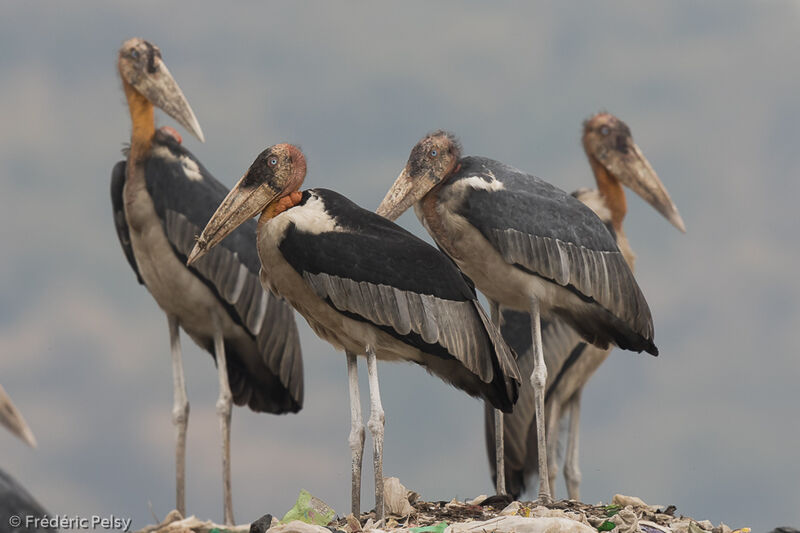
(526, 245)
(616, 161)
(366, 286)
(162, 196)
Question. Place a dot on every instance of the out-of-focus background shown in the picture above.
(710, 90)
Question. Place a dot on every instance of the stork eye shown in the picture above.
(135, 53)
(434, 153)
(272, 161)
(604, 130)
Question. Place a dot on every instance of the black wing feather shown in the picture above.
(117, 205)
(372, 270)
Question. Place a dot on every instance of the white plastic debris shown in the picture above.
(297, 526)
(681, 525)
(521, 524)
(454, 503)
(476, 501)
(511, 509)
(396, 497)
(626, 521)
(624, 501)
(174, 523)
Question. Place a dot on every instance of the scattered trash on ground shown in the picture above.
(310, 510)
(407, 513)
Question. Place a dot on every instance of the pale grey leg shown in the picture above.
(224, 404)
(356, 439)
(552, 422)
(539, 381)
(180, 414)
(499, 450)
(376, 424)
(572, 472)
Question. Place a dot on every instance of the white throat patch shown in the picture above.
(477, 182)
(311, 217)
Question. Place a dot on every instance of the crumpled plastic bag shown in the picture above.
(298, 526)
(626, 521)
(310, 510)
(396, 497)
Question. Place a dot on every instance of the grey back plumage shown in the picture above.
(185, 196)
(546, 232)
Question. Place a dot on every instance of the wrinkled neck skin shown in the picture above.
(143, 121)
(613, 196)
(611, 190)
(426, 210)
(277, 207)
(142, 132)
(282, 204)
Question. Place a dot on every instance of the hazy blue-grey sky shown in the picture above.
(710, 90)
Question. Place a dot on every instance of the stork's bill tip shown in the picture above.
(197, 252)
(677, 221)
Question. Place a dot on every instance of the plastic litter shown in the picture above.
(521, 524)
(396, 497)
(298, 526)
(438, 528)
(310, 510)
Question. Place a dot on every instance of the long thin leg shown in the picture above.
(376, 424)
(180, 414)
(572, 472)
(539, 381)
(499, 450)
(552, 419)
(356, 439)
(224, 404)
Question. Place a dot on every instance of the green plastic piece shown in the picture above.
(310, 510)
(438, 528)
(611, 510)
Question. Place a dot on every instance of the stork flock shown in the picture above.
(556, 269)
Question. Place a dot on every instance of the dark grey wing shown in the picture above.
(16, 501)
(373, 270)
(117, 205)
(186, 195)
(546, 232)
